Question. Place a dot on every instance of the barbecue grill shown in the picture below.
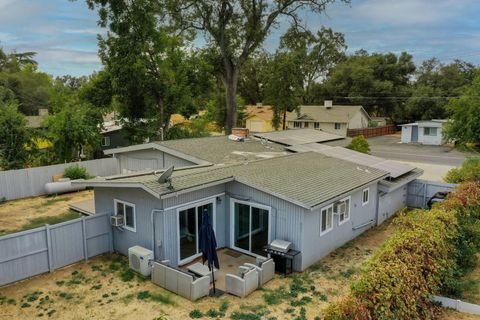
(282, 254)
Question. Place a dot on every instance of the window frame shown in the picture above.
(329, 207)
(297, 124)
(316, 125)
(349, 198)
(364, 203)
(429, 131)
(116, 202)
(106, 138)
(337, 124)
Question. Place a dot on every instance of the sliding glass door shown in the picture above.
(190, 221)
(250, 227)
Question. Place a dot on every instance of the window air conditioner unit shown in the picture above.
(140, 260)
(338, 206)
(116, 221)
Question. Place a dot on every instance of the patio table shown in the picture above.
(201, 270)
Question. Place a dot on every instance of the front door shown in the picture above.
(249, 227)
(189, 222)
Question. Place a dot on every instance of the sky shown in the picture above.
(64, 32)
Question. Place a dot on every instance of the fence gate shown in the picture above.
(420, 191)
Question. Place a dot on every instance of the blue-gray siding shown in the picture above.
(315, 246)
(389, 203)
(29, 253)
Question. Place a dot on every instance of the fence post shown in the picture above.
(49, 249)
(84, 233)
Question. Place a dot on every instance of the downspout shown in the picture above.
(152, 221)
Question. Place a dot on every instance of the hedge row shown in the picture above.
(424, 256)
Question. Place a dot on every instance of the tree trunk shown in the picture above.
(284, 126)
(230, 81)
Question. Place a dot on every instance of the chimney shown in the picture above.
(241, 132)
(328, 104)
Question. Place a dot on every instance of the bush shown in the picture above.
(360, 144)
(76, 172)
(427, 254)
(469, 171)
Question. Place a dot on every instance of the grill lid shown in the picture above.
(281, 245)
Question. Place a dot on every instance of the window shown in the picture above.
(427, 131)
(297, 124)
(343, 210)
(326, 218)
(316, 125)
(128, 211)
(105, 141)
(338, 126)
(365, 196)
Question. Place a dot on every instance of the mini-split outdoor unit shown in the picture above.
(116, 221)
(140, 260)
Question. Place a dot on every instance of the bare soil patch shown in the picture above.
(16, 215)
(104, 288)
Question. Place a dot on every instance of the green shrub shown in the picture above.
(76, 172)
(196, 314)
(469, 171)
(360, 144)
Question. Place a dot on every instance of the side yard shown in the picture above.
(29, 213)
(104, 288)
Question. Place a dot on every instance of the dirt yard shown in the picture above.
(104, 288)
(26, 213)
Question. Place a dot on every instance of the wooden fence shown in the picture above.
(16, 184)
(372, 132)
(29, 253)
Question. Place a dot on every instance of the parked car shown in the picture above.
(437, 197)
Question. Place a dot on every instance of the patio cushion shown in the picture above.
(184, 285)
(171, 279)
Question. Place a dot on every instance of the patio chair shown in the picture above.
(241, 286)
(265, 269)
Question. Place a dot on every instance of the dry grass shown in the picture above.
(22, 214)
(448, 314)
(103, 289)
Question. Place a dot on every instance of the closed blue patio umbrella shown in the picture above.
(208, 244)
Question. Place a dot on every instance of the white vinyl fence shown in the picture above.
(458, 305)
(16, 184)
(420, 191)
(29, 253)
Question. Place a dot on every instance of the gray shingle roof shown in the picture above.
(337, 113)
(306, 179)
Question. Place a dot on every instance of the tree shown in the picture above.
(464, 111)
(469, 171)
(14, 137)
(283, 87)
(234, 30)
(315, 55)
(253, 77)
(71, 129)
(359, 144)
(145, 64)
(379, 82)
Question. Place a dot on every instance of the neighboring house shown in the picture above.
(330, 118)
(37, 121)
(112, 136)
(423, 132)
(259, 118)
(380, 121)
(255, 191)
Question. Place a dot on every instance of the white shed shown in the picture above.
(423, 132)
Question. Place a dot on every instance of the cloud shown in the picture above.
(7, 37)
(84, 31)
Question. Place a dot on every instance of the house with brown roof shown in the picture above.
(331, 118)
(259, 118)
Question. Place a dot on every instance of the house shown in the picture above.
(112, 136)
(36, 122)
(255, 191)
(330, 118)
(326, 203)
(259, 118)
(423, 132)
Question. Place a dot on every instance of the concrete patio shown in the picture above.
(229, 261)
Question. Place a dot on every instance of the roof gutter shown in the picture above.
(107, 184)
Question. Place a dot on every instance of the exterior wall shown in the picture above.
(324, 126)
(430, 140)
(144, 204)
(315, 246)
(391, 202)
(406, 134)
(142, 160)
(266, 125)
(116, 140)
(286, 218)
(358, 121)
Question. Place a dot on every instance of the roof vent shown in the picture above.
(328, 104)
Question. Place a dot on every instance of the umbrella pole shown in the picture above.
(213, 277)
